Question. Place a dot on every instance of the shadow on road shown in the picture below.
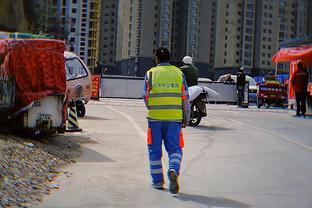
(213, 128)
(90, 155)
(211, 202)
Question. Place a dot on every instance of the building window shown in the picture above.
(249, 14)
(269, 63)
(247, 62)
(249, 22)
(248, 46)
(263, 62)
(225, 61)
(248, 38)
(74, 10)
(247, 54)
(248, 30)
(74, 1)
(249, 6)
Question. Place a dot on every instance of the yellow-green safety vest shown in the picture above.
(165, 93)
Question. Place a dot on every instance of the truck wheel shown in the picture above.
(81, 110)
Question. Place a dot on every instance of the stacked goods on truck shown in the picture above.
(272, 91)
(37, 68)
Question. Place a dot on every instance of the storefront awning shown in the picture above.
(303, 53)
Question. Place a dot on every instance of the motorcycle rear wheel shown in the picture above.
(195, 115)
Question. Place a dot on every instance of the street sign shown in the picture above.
(96, 85)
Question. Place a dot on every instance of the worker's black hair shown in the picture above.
(162, 54)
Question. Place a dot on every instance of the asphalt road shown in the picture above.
(235, 158)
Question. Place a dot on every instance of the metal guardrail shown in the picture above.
(132, 87)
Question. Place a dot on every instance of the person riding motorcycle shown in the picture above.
(198, 108)
(190, 72)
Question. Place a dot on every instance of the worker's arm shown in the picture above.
(146, 90)
(186, 106)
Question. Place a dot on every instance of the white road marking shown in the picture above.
(132, 121)
(273, 134)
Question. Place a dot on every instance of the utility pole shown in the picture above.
(277, 42)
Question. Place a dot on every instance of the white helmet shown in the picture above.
(187, 60)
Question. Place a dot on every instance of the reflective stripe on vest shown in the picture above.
(165, 97)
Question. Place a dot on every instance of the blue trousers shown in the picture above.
(170, 133)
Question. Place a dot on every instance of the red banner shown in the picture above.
(292, 69)
(310, 88)
(96, 85)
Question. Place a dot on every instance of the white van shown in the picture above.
(79, 82)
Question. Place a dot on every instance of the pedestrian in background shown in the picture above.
(166, 97)
(229, 79)
(299, 81)
(190, 71)
(241, 81)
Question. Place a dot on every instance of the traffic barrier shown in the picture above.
(72, 124)
(114, 86)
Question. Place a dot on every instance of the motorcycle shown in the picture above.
(198, 96)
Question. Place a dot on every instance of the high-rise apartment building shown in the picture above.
(229, 35)
(77, 21)
(108, 34)
(144, 25)
(221, 36)
(249, 32)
